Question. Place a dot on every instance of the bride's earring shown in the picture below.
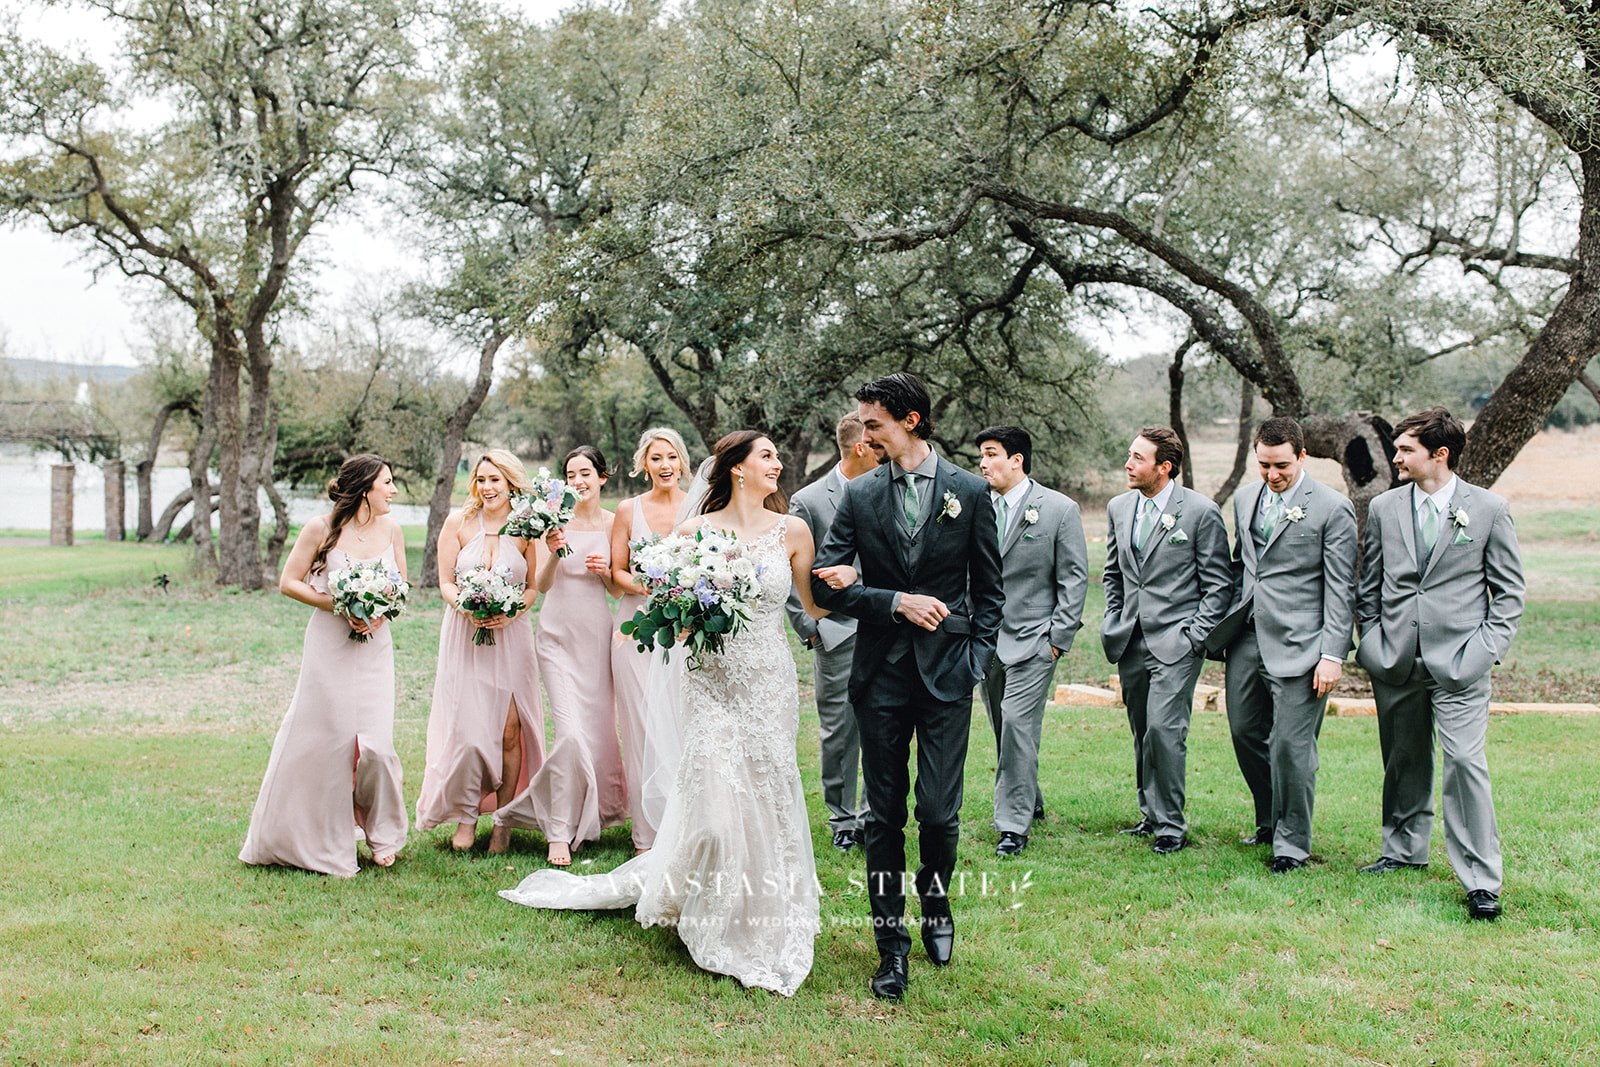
(739, 475)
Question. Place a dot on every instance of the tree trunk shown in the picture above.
(1175, 409)
(162, 529)
(200, 488)
(144, 471)
(1362, 443)
(455, 432)
(1241, 450)
(280, 509)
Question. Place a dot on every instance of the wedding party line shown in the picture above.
(662, 662)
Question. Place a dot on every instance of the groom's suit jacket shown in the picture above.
(1301, 586)
(1458, 608)
(1178, 588)
(952, 557)
(1046, 568)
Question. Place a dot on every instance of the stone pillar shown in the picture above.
(61, 504)
(116, 497)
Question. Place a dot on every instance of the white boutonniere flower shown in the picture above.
(1460, 518)
(1295, 514)
(1030, 516)
(1168, 522)
(951, 509)
(1178, 537)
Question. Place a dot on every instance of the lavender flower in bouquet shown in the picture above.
(486, 592)
(699, 590)
(548, 507)
(367, 591)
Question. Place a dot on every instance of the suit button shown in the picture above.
(1413, 622)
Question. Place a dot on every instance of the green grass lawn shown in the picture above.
(135, 724)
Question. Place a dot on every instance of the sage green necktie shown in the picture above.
(1147, 519)
(911, 504)
(1000, 508)
(1270, 521)
(1429, 524)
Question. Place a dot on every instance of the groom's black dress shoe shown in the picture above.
(1261, 835)
(1384, 865)
(845, 840)
(892, 978)
(939, 939)
(1142, 828)
(1038, 810)
(1011, 844)
(1167, 844)
(1285, 864)
(1482, 904)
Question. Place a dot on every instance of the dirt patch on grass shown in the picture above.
(243, 697)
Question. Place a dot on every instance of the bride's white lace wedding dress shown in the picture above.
(732, 867)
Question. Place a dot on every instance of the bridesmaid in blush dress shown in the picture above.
(333, 768)
(664, 458)
(484, 737)
(581, 788)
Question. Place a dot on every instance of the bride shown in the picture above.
(732, 867)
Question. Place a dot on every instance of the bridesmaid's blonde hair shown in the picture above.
(510, 468)
(673, 438)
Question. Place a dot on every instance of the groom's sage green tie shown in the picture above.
(912, 504)
(1429, 524)
(1000, 509)
(1269, 522)
(1147, 519)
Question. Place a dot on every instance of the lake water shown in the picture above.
(25, 496)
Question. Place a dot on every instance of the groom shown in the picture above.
(929, 599)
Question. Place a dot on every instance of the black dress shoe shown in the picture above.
(1285, 864)
(1261, 835)
(1482, 904)
(1384, 865)
(1142, 828)
(892, 978)
(845, 840)
(1011, 844)
(1038, 811)
(939, 939)
(1167, 844)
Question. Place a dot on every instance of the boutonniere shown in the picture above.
(1460, 519)
(1295, 514)
(1168, 521)
(951, 509)
(1030, 516)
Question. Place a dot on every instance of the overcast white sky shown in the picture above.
(51, 307)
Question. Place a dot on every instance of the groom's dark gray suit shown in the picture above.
(907, 681)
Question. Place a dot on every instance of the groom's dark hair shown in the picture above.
(1282, 430)
(1014, 440)
(1436, 428)
(900, 394)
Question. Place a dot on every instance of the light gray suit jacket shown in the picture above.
(1177, 589)
(1045, 566)
(1301, 586)
(816, 505)
(1458, 608)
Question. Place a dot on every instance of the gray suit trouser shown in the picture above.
(1407, 716)
(1160, 698)
(1275, 723)
(1015, 698)
(840, 737)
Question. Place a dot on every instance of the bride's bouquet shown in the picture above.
(367, 591)
(485, 593)
(548, 507)
(699, 590)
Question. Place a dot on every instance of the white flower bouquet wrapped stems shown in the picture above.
(488, 592)
(548, 507)
(699, 590)
(367, 591)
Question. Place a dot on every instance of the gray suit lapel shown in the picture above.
(1447, 526)
(1016, 523)
(1301, 499)
(1407, 508)
(888, 517)
(1157, 533)
(1245, 526)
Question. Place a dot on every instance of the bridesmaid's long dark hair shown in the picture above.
(726, 455)
(348, 490)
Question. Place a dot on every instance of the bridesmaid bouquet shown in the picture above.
(548, 507)
(367, 591)
(485, 593)
(700, 590)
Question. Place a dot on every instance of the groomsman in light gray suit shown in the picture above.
(1045, 565)
(1440, 598)
(1168, 583)
(833, 639)
(1287, 636)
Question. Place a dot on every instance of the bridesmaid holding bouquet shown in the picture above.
(581, 787)
(484, 738)
(664, 459)
(333, 770)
